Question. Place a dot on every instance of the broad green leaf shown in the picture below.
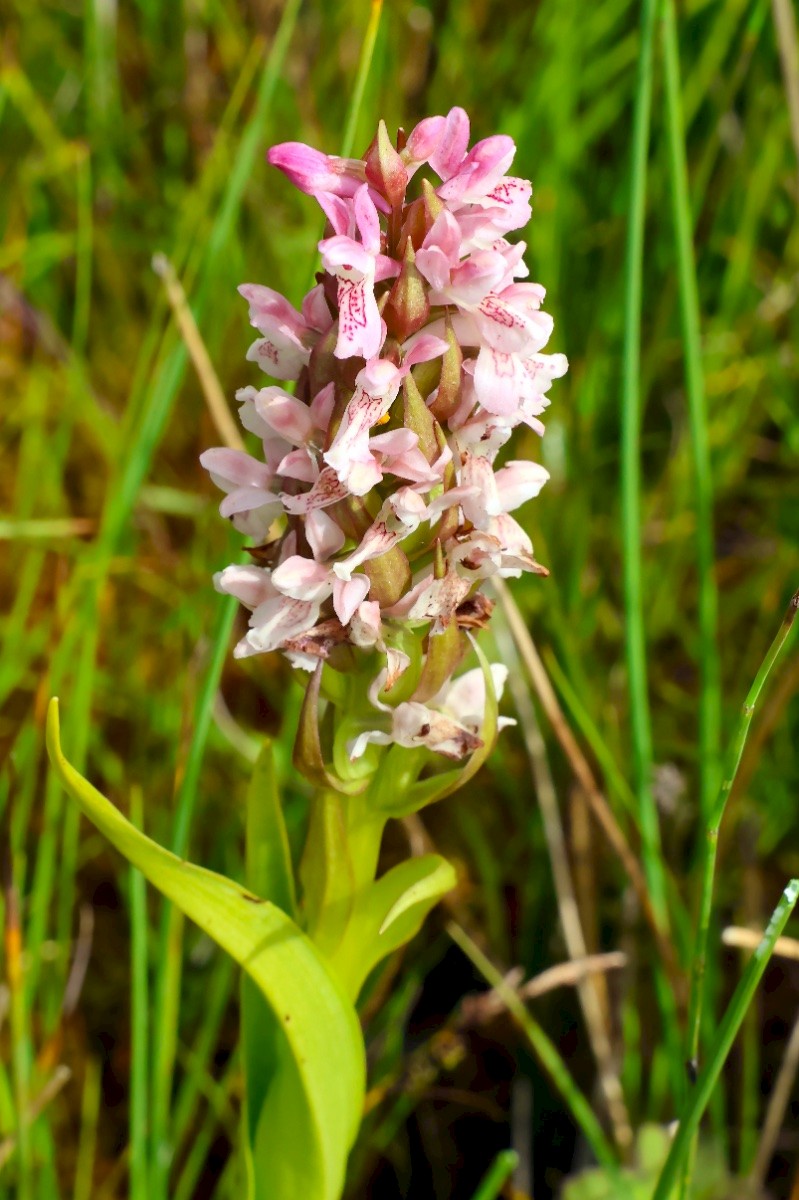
(312, 1109)
(389, 913)
(437, 879)
(268, 873)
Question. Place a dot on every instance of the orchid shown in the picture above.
(377, 506)
(414, 357)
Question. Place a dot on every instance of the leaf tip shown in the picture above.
(53, 732)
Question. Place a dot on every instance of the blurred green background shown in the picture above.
(140, 127)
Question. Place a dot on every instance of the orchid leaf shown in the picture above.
(389, 913)
(439, 877)
(311, 1110)
(269, 874)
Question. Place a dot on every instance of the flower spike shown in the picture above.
(417, 353)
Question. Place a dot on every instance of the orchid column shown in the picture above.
(377, 509)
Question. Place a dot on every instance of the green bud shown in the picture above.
(444, 651)
(408, 306)
(385, 169)
(417, 416)
(390, 576)
(449, 387)
(433, 206)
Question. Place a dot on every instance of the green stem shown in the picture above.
(364, 66)
(731, 765)
(710, 845)
(631, 468)
(710, 690)
(689, 1122)
(543, 1048)
(497, 1175)
(338, 863)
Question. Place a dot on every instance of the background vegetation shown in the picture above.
(138, 128)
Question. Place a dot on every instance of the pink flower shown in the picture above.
(287, 340)
(450, 724)
(312, 172)
(400, 516)
(302, 579)
(249, 502)
(351, 454)
(354, 265)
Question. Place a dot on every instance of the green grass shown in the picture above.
(664, 229)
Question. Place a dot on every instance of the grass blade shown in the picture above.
(139, 1004)
(635, 637)
(631, 467)
(364, 66)
(709, 667)
(497, 1174)
(543, 1048)
(712, 833)
(731, 1023)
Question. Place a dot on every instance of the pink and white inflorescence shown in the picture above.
(377, 507)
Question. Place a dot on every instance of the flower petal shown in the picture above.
(302, 579)
(328, 489)
(348, 594)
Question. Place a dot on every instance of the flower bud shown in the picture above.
(450, 385)
(389, 576)
(408, 307)
(417, 416)
(385, 169)
(433, 207)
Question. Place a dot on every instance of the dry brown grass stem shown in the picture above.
(215, 398)
(778, 1101)
(750, 939)
(483, 1007)
(590, 988)
(61, 1076)
(585, 776)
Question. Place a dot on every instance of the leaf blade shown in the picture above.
(312, 1113)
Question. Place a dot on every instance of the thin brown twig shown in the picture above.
(584, 775)
(477, 1009)
(80, 961)
(215, 398)
(750, 939)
